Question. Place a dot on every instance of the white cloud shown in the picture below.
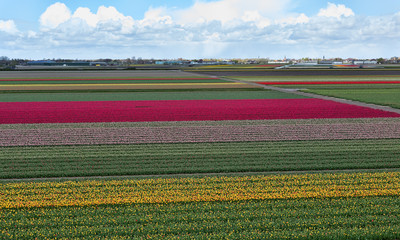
(231, 28)
(229, 10)
(300, 19)
(256, 18)
(54, 15)
(155, 17)
(8, 27)
(86, 15)
(106, 18)
(336, 11)
(108, 15)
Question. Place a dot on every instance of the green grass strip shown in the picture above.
(112, 81)
(387, 97)
(131, 90)
(316, 78)
(154, 159)
(340, 86)
(342, 218)
(128, 96)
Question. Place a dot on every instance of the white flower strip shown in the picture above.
(233, 131)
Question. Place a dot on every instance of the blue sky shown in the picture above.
(90, 29)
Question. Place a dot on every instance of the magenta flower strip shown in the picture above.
(180, 110)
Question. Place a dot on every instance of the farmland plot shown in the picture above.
(184, 162)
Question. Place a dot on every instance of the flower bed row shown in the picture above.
(102, 79)
(330, 218)
(207, 189)
(181, 110)
(43, 135)
(26, 87)
(327, 82)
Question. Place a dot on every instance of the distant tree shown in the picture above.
(380, 60)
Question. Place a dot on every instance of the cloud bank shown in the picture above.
(224, 28)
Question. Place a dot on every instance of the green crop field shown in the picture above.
(387, 97)
(100, 81)
(177, 158)
(154, 95)
(339, 86)
(341, 218)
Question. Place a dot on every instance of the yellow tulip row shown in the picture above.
(172, 190)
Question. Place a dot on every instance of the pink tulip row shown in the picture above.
(180, 110)
(202, 133)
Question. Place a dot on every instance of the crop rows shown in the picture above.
(180, 134)
(181, 110)
(349, 205)
(331, 218)
(206, 189)
(124, 86)
(328, 82)
(155, 95)
(175, 158)
(103, 155)
(388, 97)
(316, 78)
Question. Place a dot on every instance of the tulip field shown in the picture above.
(181, 155)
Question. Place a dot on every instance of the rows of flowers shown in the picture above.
(103, 79)
(332, 218)
(172, 190)
(327, 82)
(122, 86)
(206, 133)
(181, 110)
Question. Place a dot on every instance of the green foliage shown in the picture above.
(388, 97)
(113, 81)
(154, 95)
(176, 158)
(342, 218)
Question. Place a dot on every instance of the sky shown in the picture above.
(194, 29)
